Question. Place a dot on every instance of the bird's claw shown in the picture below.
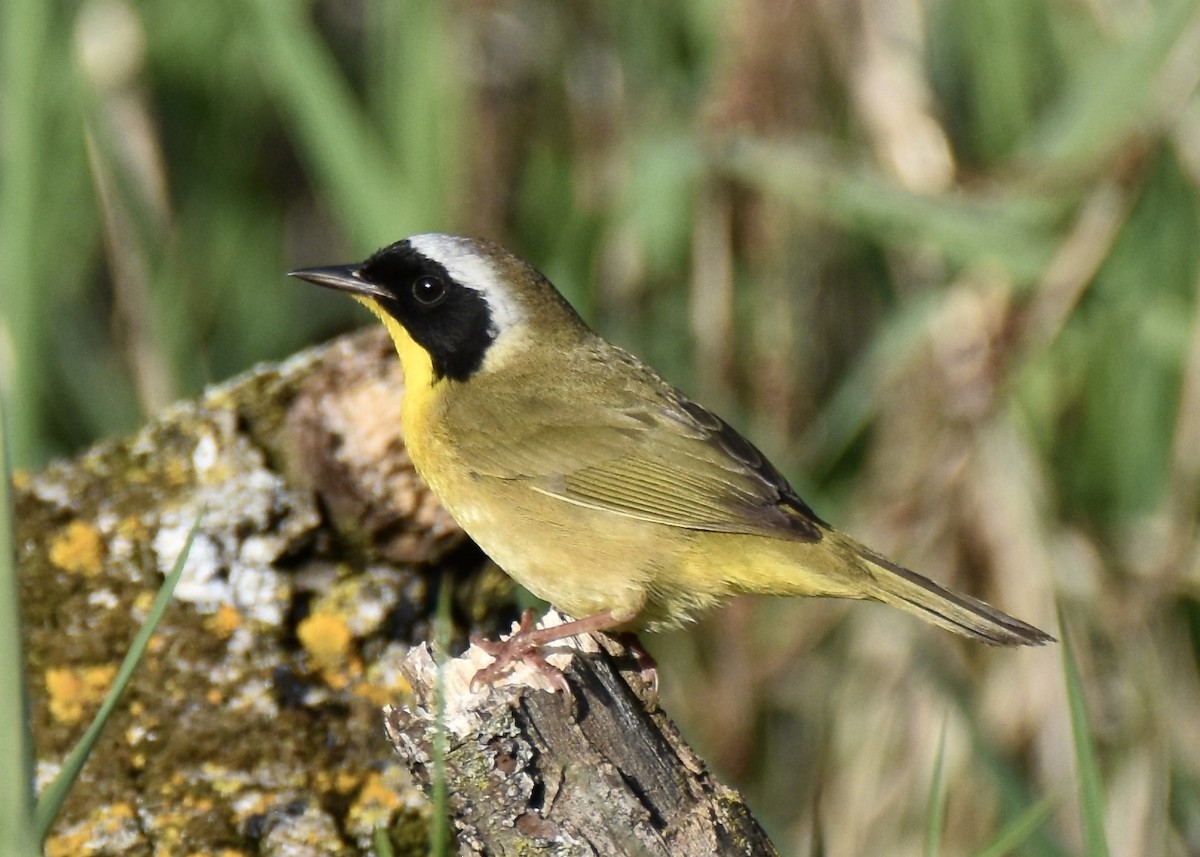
(521, 647)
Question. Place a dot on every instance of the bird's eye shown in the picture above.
(428, 290)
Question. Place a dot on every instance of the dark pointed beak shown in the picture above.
(344, 278)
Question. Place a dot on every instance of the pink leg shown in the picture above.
(525, 644)
(647, 666)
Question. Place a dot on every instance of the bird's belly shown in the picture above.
(563, 555)
(584, 561)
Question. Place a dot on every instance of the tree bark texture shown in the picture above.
(600, 770)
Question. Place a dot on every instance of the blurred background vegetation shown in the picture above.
(939, 258)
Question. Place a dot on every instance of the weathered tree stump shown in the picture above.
(600, 770)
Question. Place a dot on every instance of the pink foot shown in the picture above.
(526, 644)
(521, 647)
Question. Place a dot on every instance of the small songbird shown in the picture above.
(589, 479)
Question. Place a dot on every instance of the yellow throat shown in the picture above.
(418, 376)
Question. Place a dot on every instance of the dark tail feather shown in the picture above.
(962, 614)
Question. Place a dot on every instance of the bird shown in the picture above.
(590, 480)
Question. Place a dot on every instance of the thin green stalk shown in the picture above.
(16, 743)
(24, 25)
(935, 816)
(439, 830)
(344, 150)
(381, 843)
(1087, 769)
(1117, 90)
(1022, 827)
(52, 799)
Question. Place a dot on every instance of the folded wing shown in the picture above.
(666, 460)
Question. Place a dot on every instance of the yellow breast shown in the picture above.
(418, 383)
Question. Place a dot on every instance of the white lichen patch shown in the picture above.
(260, 592)
(53, 492)
(254, 696)
(249, 518)
(104, 599)
(259, 550)
(204, 456)
(201, 582)
(313, 831)
(44, 773)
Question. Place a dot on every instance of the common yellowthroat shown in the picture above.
(588, 478)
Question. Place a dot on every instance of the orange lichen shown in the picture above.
(224, 622)
(384, 684)
(327, 638)
(346, 781)
(340, 678)
(375, 792)
(71, 690)
(374, 805)
(176, 472)
(383, 693)
(374, 694)
(201, 804)
(103, 825)
(339, 782)
(79, 549)
(67, 844)
(117, 812)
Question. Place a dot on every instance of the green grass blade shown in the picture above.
(381, 843)
(1021, 828)
(935, 816)
(817, 841)
(344, 151)
(51, 801)
(1014, 791)
(24, 29)
(1087, 769)
(1015, 231)
(16, 744)
(439, 824)
(416, 94)
(1117, 90)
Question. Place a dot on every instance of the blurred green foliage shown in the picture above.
(939, 257)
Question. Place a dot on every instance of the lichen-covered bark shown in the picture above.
(253, 722)
(598, 772)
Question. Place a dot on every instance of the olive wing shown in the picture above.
(668, 461)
